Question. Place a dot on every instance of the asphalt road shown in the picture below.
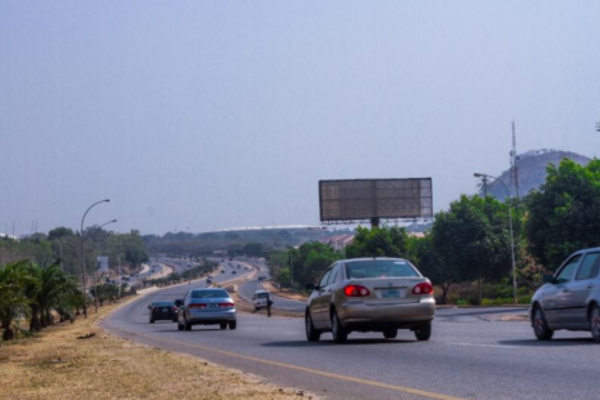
(247, 290)
(468, 357)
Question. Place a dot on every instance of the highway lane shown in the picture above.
(468, 357)
(247, 289)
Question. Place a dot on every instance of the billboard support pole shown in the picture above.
(374, 223)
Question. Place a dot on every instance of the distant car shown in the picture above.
(260, 298)
(570, 299)
(162, 310)
(233, 272)
(209, 281)
(222, 271)
(262, 278)
(206, 307)
(370, 294)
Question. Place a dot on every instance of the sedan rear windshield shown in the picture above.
(379, 269)
(262, 295)
(209, 294)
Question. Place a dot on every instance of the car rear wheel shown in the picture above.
(340, 335)
(540, 327)
(232, 324)
(187, 325)
(423, 333)
(223, 325)
(390, 333)
(151, 321)
(312, 335)
(595, 323)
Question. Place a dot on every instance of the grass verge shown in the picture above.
(55, 365)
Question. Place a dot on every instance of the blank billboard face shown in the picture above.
(343, 200)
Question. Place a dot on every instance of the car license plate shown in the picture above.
(165, 309)
(212, 305)
(390, 293)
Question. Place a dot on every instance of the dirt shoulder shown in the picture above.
(57, 365)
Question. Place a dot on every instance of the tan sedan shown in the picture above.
(370, 294)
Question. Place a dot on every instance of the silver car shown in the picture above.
(370, 294)
(211, 306)
(570, 297)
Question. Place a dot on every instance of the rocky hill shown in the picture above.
(532, 171)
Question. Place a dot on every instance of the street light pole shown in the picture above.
(84, 276)
(96, 273)
(512, 239)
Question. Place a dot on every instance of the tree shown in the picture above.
(431, 265)
(13, 301)
(472, 238)
(379, 242)
(564, 214)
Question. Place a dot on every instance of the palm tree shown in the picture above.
(14, 278)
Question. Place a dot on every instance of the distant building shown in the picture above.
(339, 242)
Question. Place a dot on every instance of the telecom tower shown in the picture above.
(514, 169)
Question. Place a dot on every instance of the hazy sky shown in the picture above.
(217, 114)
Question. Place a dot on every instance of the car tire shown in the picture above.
(595, 323)
(540, 326)
(151, 321)
(175, 320)
(312, 335)
(340, 335)
(187, 326)
(223, 325)
(390, 333)
(232, 325)
(423, 333)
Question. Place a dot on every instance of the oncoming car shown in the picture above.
(570, 299)
(370, 294)
(210, 306)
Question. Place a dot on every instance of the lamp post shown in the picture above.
(84, 276)
(597, 126)
(96, 273)
(510, 225)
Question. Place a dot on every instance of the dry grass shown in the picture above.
(55, 365)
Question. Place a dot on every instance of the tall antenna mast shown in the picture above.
(514, 170)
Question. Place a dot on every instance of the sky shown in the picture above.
(204, 115)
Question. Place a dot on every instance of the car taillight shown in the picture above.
(155, 309)
(226, 305)
(197, 305)
(356, 291)
(175, 309)
(423, 288)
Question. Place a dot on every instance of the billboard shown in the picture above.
(102, 264)
(361, 199)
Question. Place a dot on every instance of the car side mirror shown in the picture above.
(548, 278)
(311, 286)
(178, 303)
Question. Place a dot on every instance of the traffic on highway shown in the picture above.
(492, 351)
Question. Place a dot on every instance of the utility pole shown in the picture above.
(514, 169)
(120, 282)
(292, 269)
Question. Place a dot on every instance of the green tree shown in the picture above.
(431, 265)
(564, 214)
(473, 239)
(379, 242)
(13, 301)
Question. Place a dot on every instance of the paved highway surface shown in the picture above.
(468, 357)
(247, 289)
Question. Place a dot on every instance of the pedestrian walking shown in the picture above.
(269, 304)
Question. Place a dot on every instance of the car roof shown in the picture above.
(261, 291)
(349, 260)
